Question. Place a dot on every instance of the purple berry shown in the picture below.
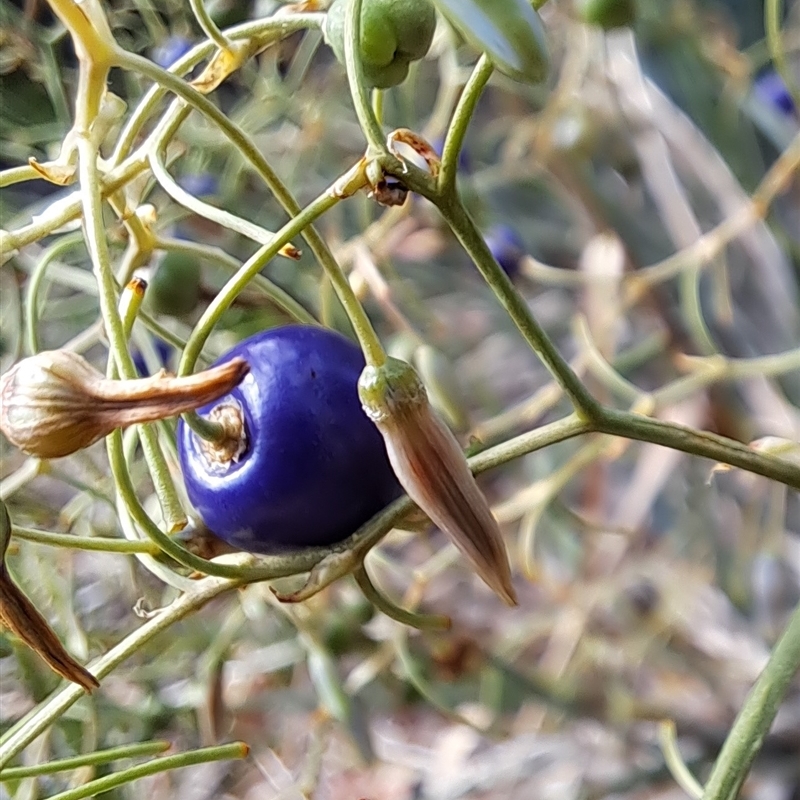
(314, 467)
(464, 164)
(163, 350)
(201, 185)
(506, 247)
(169, 51)
(769, 86)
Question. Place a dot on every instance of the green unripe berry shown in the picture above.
(393, 34)
(607, 14)
(174, 289)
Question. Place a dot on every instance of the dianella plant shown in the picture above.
(490, 304)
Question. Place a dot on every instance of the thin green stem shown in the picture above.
(698, 443)
(178, 761)
(378, 97)
(358, 84)
(13, 175)
(462, 115)
(208, 26)
(98, 250)
(281, 298)
(85, 760)
(20, 735)
(97, 543)
(756, 716)
(206, 429)
(773, 12)
(545, 435)
(33, 299)
(675, 763)
(262, 30)
(467, 233)
(218, 215)
(429, 622)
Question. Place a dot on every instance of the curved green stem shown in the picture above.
(33, 290)
(429, 622)
(13, 175)
(467, 233)
(281, 298)
(97, 543)
(85, 760)
(698, 443)
(178, 761)
(208, 26)
(773, 11)
(39, 720)
(358, 84)
(756, 717)
(675, 763)
(459, 123)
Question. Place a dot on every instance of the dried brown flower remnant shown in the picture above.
(21, 617)
(432, 468)
(55, 403)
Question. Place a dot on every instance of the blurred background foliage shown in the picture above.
(651, 586)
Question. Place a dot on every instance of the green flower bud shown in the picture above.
(393, 34)
(607, 14)
(432, 469)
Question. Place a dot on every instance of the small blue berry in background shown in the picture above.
(163, 350)
(507, 248)
(464, 164)
(199, 185)
(169, 51)
(769, 86)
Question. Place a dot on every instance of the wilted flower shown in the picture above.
(55, 403)
(433, 470)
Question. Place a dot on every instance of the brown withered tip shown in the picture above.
(23, 619)
(55, 403)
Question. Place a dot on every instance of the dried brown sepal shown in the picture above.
(431, 467)
(55, 403)
(389, 191)
(21, 617)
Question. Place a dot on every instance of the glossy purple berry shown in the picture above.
(314, 468)
(506, 247)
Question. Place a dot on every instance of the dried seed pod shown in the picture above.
(431, 467)
(21, 617)
(55, 403)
